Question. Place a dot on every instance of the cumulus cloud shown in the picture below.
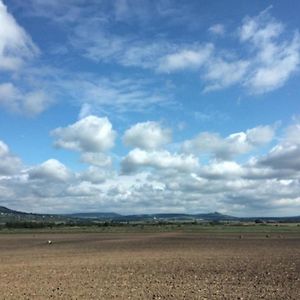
(90, 134)
(147, 135)
(3, 149)
(95, 175)
(83, 189)
(96, 159)
(234, 144)
(286, 154)
(222, 170)
(152, 178)
(292, 134)
(283, 157)
(16, 45)
(160, 180)
(50, 170)
(9, 163)
(138, 158)
(29, 103)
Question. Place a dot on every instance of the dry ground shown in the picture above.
(149, 266)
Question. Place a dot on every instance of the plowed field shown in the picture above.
(149, 266)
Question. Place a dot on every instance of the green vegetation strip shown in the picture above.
(292, 228)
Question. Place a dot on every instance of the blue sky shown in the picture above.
(150, 106)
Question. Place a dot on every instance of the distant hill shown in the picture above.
(180, 217)
(177, 217)
(9, 215)
(215, 216)
(5, 210)
(95, 215)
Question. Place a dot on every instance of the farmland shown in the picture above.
(172, 264)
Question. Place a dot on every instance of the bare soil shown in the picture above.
(149, 266)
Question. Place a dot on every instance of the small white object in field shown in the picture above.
(49, 242)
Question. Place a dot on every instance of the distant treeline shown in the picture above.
(30, 224)
(112, 223)
(86, 223)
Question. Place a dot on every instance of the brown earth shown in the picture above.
(149, 266)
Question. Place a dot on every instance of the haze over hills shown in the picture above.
(7, 215)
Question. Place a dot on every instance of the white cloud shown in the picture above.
(260, 135)
(143, 54)
(292, 134)
(35, 102)
(160, 180)
(210, 116)
(276, 58)
(260, 29)
(28, 103)
(223, 170)
(272, 59)
(156, 179)
(217, 29)
(220, 73)
(186, 59)
(96, 42)
(273, 75)
(148, 135)
(286, 154)
(90, 134)
(9, 163)
(283, 157)
(138, 158)
(16, 51)
(95, 175)
(102, 94)
(82, 189)
(85, 110)
(50, 170)
(269, 60)
(234, 144)
(96, 159)
(4, 150)
(9, 96)
(16, 45)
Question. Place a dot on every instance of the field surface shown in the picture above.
(166, 265)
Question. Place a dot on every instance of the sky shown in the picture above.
(142, 106)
